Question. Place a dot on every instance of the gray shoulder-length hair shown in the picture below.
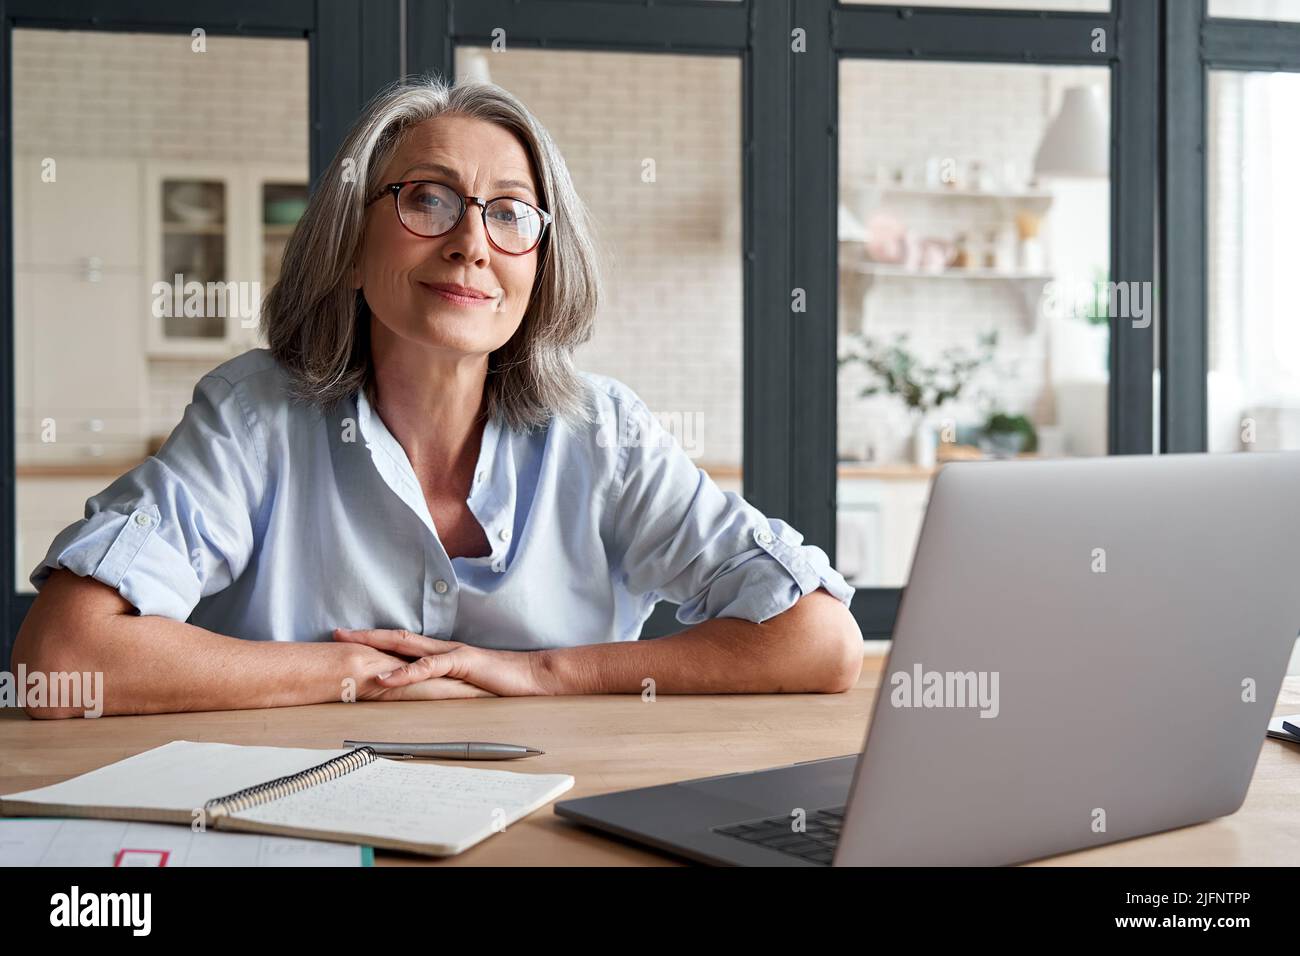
(318, 326)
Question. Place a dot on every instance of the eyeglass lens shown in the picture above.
(430, 210)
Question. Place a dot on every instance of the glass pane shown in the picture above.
(141, 249)
(282, 206)
(1055, 5)
(194, 235)
(663, 184)
(1253, 205)
(974, 303)
(1255, 9)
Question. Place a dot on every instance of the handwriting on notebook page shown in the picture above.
(424, 803)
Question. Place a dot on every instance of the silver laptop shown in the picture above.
(1087, 651)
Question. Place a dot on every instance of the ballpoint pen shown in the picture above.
(456, 750)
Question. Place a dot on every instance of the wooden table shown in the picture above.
(617, 742)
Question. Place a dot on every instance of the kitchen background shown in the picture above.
(974, 199)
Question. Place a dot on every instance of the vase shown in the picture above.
(924, 444)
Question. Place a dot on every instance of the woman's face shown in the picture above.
(398, 270)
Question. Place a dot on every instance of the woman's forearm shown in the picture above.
(814, 647)
(157, 665)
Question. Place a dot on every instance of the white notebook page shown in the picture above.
(181, 775)
(415, 801)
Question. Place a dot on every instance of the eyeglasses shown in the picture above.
(430, 209)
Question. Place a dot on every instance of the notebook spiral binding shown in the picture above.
(283, 786)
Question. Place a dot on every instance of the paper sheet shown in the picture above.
(50, 842)
(181, 775)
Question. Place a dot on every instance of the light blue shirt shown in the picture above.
(266, 519)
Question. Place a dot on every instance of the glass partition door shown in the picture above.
(974, 305)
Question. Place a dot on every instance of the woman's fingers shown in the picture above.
(399, 642)
(438, 688)
(427, 659)
(426, 668)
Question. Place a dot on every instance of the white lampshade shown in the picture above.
(1077, 141)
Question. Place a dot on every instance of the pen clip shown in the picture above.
(358, 745)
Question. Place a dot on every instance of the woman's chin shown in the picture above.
(458, 334)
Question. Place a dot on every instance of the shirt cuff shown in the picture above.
(125, 552)
(769, 579)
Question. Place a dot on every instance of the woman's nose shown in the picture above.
(470, 234)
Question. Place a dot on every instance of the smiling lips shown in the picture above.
(459, 294)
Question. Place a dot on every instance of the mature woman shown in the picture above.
(413, 494)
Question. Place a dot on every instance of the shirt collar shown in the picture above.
(492, 490)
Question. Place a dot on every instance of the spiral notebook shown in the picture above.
(348, 796)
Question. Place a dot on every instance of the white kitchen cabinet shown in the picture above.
(191, 218)
(278, 195)
(88, 217)
(78, 363)
(207, 223)
(89, 248)
(83, 374)
(880, 520)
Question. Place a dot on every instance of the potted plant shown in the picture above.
(922, 387)
(1004, 436)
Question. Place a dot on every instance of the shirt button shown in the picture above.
(504, 534)
(480, 476)
(498, 566)
(764, 537)
(440, 586)
(143, 520)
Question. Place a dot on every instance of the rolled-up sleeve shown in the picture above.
(180, 525)
(678, 536)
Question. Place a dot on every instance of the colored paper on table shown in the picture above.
(119, 843)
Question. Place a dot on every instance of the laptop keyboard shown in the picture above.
(816, 844)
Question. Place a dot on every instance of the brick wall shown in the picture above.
(147, 96)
